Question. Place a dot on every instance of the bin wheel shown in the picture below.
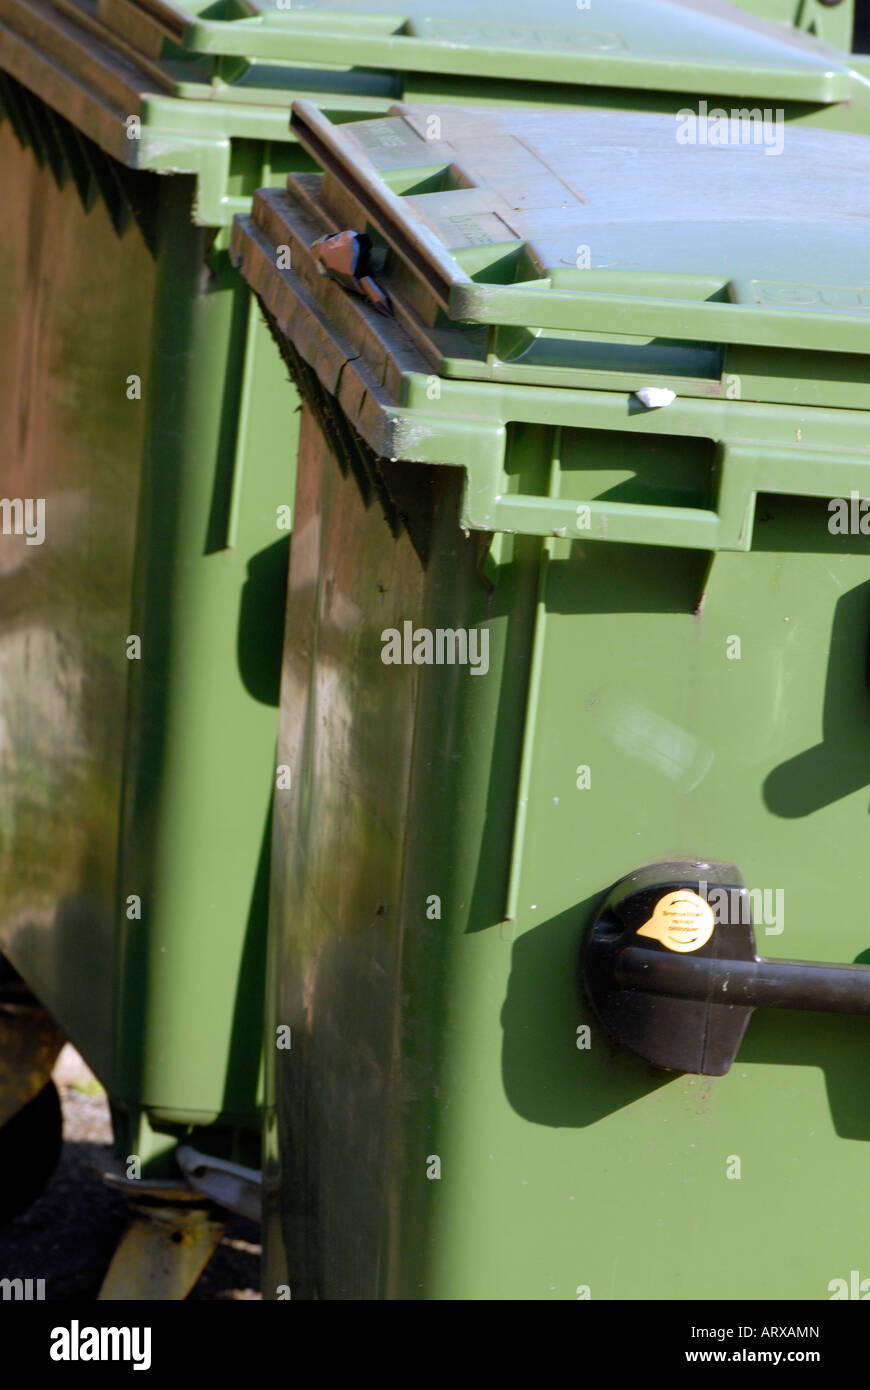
(30, 1145)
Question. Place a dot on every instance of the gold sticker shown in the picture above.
(681, 921)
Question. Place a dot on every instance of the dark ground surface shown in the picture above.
(69, 1235)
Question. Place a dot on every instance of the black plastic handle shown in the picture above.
(769, 984)
(673, 981)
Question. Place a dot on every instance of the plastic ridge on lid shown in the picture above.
(371, 372)
(666, 45)
(730, 284)
(697, 243)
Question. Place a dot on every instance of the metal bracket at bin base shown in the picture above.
(163, 1251)
(177, 1225)
(229, 1184)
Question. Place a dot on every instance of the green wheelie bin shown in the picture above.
(627, 53)
(574, 711)
(149, 443)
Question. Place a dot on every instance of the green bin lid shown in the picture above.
(93, 62)
(745, 272)
(569, 249)
(126, 104)
(660, 45)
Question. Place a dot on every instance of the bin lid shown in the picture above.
(751, 271)
(541, 246)
(125, 103)
(661, 45)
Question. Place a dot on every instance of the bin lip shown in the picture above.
(704, 243)
(58, 51)
(358, 369)
(666, 45)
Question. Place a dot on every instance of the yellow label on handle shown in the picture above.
(682, 921)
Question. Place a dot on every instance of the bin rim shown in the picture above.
(727, 51)
(361, 365)
(537, 302)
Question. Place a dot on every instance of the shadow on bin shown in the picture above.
(545, 1086)
(840, 764)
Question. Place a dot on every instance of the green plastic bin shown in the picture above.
(138, 690)
(545, 629)
(632, 54)
(148, 410)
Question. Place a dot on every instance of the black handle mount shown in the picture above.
(670, 967)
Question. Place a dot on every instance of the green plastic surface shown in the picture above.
(225, 121)
(676, 667)
(833, 23)
(632, 43)
(682, 240)
(102, 107)
(445, 1128)
(143, 402)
